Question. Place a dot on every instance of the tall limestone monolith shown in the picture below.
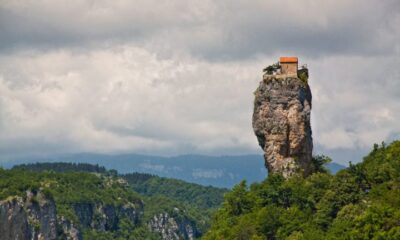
(281, 122)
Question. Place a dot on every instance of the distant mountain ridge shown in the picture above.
(219, 171)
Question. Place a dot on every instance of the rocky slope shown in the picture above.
(37, 218)
(77, 205)
(172, 228)
(281, 122)
(33, 218)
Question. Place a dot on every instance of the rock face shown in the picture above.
(281, 122)
(172, 228)
(35, 218)
(68, 230)
(14, 220)
(106, 217)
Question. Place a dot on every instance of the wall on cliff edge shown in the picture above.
(281, 122)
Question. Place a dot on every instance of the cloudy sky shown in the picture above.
(176, 77)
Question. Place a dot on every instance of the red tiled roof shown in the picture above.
(288, 60)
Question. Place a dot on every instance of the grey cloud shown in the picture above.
(55, 24)
(126, 99)
(177, 78)
(354, 101)
(218, 30)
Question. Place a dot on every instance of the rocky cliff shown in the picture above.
(75, 205)
(173, 227)
(281, 122)
(33, 218)
(36, 218)
(105, 217)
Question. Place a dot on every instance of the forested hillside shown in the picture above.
(73, 204)
(83, 201)
(63, 167)
(360, 202)
(205, 197)
(189, 193)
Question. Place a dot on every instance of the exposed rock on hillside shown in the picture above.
(172, 228)
(35, 218)
(14, 220)
(106, 217)
(281, 122)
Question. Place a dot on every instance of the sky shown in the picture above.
(177, 77)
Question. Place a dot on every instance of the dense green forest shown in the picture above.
(199, 196)
(190, 193)
(69, 189)
(72, 183)
(63, 167)
(360, 202)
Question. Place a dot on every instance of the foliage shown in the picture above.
(189, 193)
(272, 68)
(360, 202)
(67, 188)
(125, 232)
(319, 163)
(65, 167)
(179, 199)
(70, 183)
(203, 197)
(303, 74)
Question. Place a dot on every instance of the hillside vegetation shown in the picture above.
(73, 191)
(189, 193)
(360, 202)
(199, 196)
(79, 188)
(63, 167)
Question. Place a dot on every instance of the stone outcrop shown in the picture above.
(102, 217)
(33, 219)
(68, 230)
(281, 122)
(173, 228)
(36, 218)
(14, 220)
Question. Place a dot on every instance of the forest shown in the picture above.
(359, 202)
(70, 185)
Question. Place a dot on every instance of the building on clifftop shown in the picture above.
(287, 67)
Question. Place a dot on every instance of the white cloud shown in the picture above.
(337, 138)
(356, 100)
(126, 99)
(177, 76)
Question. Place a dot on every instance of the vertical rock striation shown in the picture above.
(281, 122)
(34, 218)
(14, 220)
(104, 217)
(173, 228)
